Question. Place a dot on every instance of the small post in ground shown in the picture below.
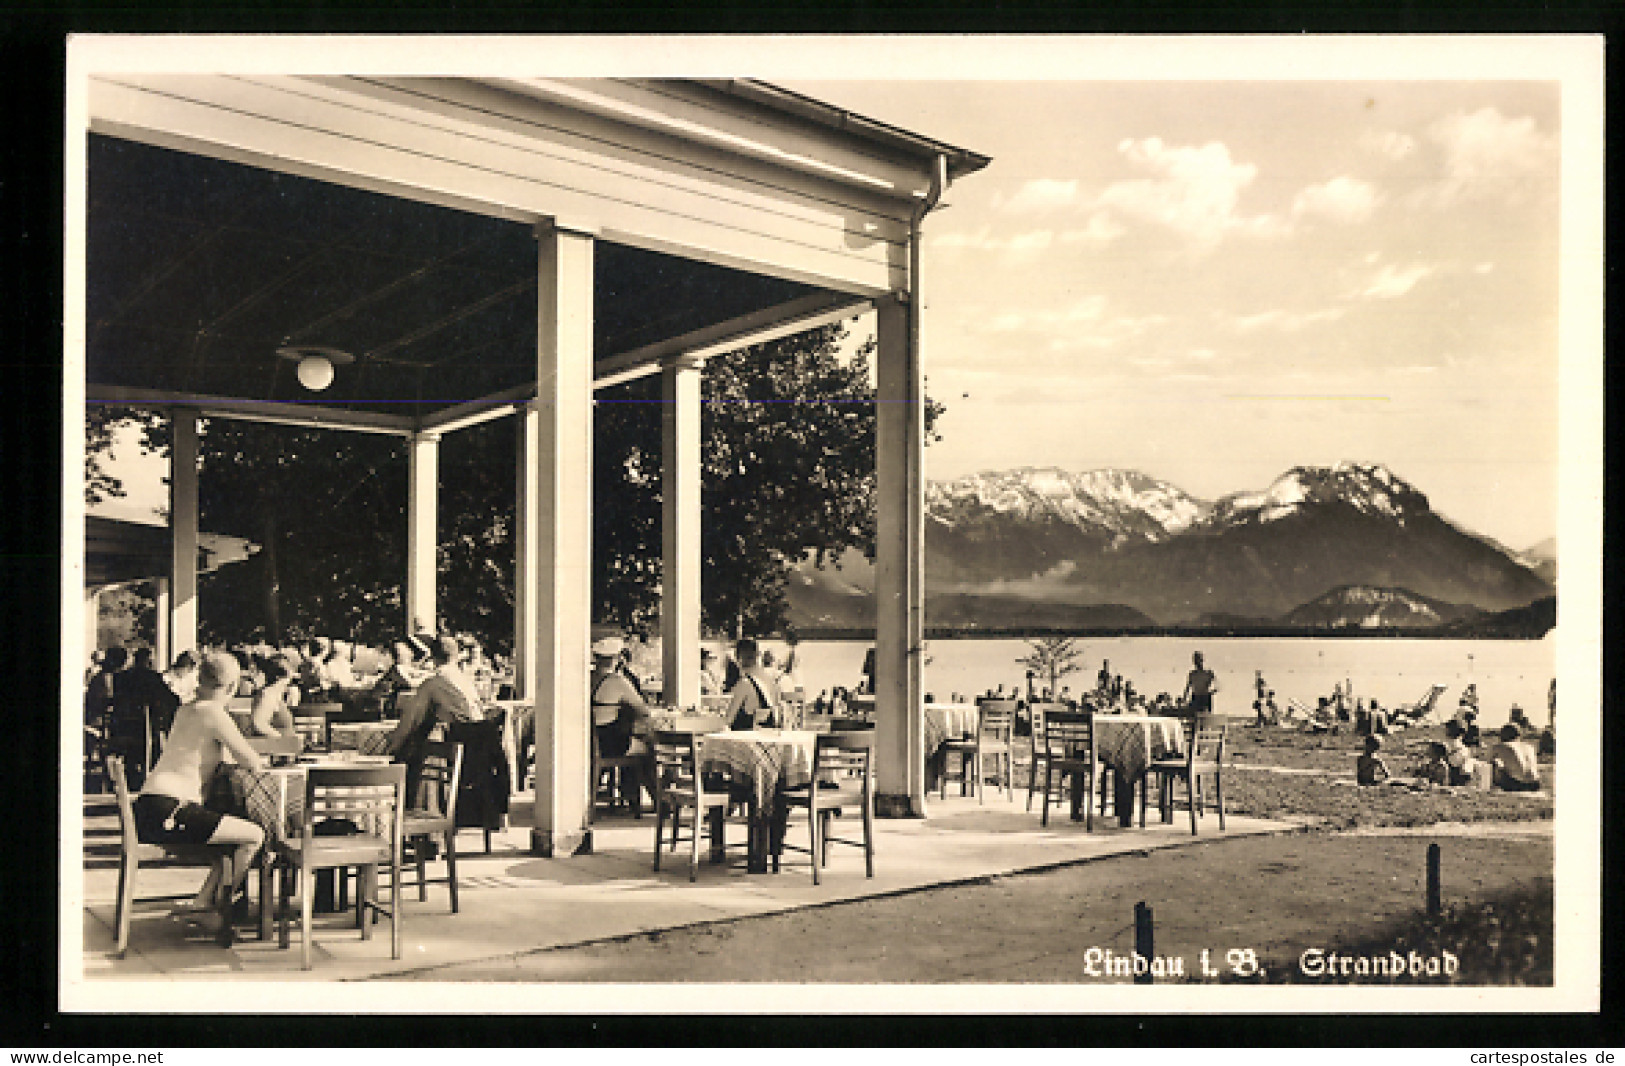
(1433, 880)
(1143, 941)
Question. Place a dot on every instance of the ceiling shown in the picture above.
(197, 270)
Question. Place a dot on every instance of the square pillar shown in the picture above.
(562, 579)
(422, 499)
(162, 652)
(183, 455)
(527, 548)
(899, 564)
(680, 532)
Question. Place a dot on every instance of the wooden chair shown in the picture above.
(1036, 713)
(678, 784)
(1069, 750)
(1204, 758)
(132, 853)
(614, 771)
(995, 720)
(374, 799)
(312, 721)
(437, 817)
(842, 779)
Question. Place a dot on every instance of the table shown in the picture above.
(367, 738)
(770, 760)
(1128, 743)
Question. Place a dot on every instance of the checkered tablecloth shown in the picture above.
(366, 738)
(275, 796)
(1128, 743)
(769, 758)
(947, 721)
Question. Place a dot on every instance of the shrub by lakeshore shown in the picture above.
(1505, 941)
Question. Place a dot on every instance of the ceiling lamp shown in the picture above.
(315, 363)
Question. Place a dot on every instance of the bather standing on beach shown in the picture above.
(1200, 685)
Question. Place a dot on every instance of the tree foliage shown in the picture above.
(788, 471)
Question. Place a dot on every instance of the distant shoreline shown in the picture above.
(1026, 632)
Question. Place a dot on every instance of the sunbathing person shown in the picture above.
(170, 808)
(1461, 762)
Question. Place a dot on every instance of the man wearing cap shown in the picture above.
(617, 710)
(446, 696)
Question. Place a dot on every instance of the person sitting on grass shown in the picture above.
(1470, 735)
(1435, 768)
(1460, 760)
(1369, 769)
(1514, 761)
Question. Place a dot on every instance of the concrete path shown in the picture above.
(513, 903)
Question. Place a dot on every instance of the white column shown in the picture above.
(422, 499)
(680, 532)
(527, 548)
(562, 581)
(899, 564)
(183, 530)
(162, 653)
(93, 605)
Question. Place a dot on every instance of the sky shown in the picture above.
(1213, 282)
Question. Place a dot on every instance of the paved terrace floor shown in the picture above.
(513, 903)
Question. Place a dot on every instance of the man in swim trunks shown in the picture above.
(170, 808)
(1200, 685)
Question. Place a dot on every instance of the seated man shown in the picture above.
(754, 701)
(618, 713)
(446, 696)
(1514, 761)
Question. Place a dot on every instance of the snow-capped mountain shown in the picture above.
(1369, 488)
(1121, 504)
(1059, 540)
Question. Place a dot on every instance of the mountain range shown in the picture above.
(1322, 546)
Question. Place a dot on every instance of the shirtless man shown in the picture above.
(1200, 685)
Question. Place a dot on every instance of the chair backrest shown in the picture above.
(845, 758)
(277, 745)
(372, 797)
(792, 713)
(995, 718)
(126, 806)
(442, 769)
(1068, 735)
(850, 725)
(1207, 746)
(312, 731)
(1036, 712)
(677, 758)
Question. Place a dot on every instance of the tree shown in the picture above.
(787, 453)
(101, 421)
(1056, 657)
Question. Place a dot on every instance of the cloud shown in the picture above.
(1087, 309)
(1283, 320)
(1019, 245)
(1195, 191)
(1392, 281)
(1388, 143)
(1344, 200)
(1488, 156)
(1040, 194)
(1101, 229)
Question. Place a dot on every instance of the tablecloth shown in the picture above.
(1128, 743)
(367, 738)
(769, 758)
(947, 721)
(274, 797)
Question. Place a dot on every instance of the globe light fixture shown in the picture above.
(315, 363)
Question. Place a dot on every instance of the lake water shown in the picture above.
(1393, 670)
